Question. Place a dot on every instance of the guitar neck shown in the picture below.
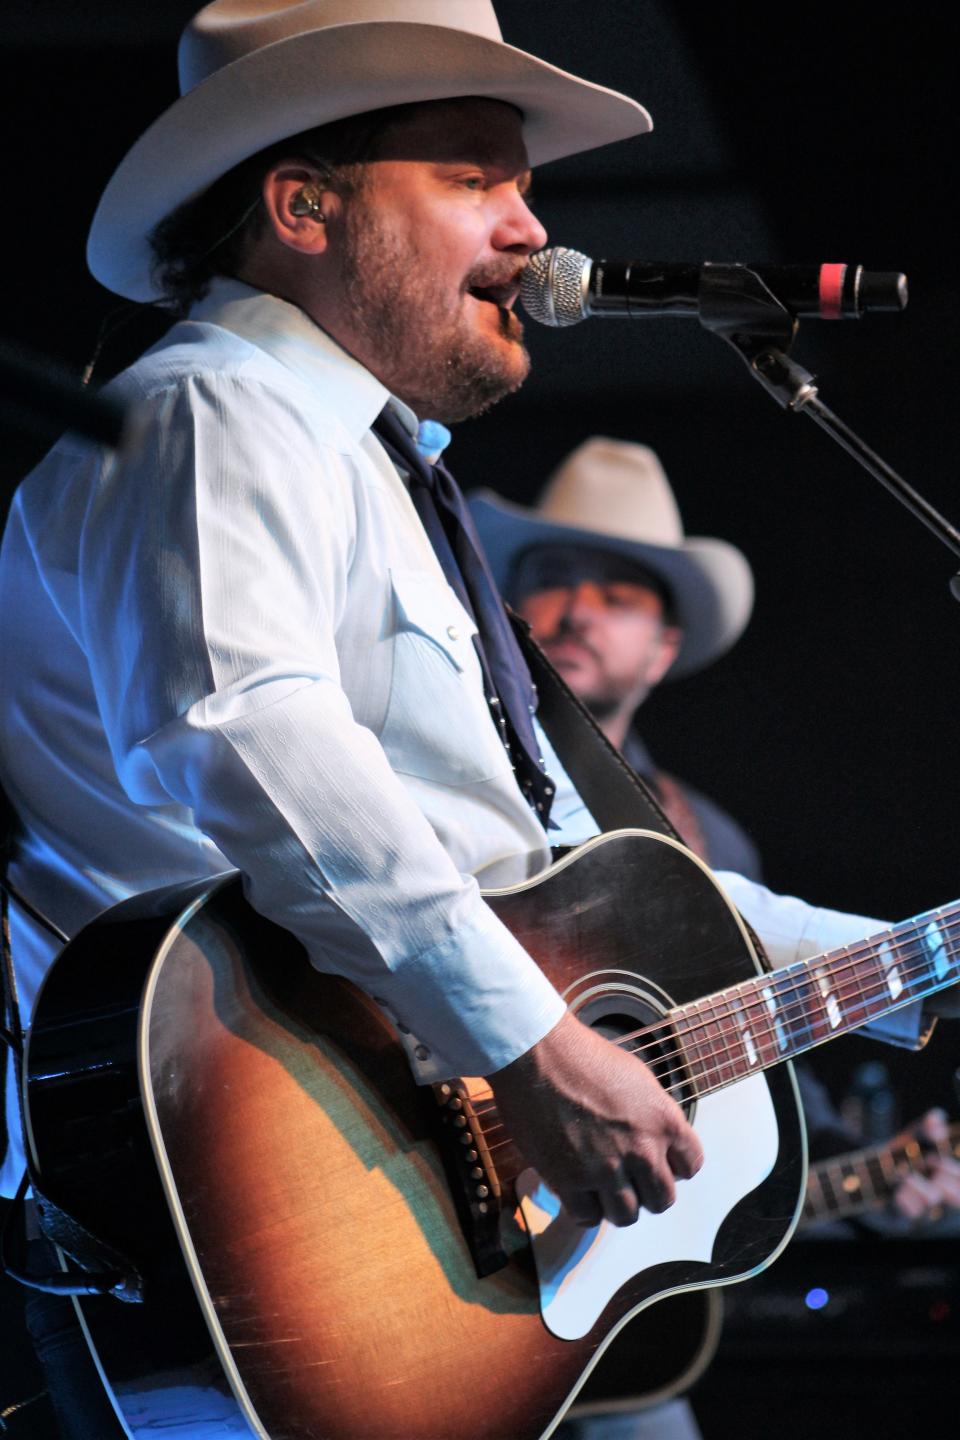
(774, 1017)
(851, 1184)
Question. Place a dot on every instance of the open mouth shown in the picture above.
(503, 296)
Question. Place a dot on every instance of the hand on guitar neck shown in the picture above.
(915, 1176)
(932, 1186)
(597, 1125)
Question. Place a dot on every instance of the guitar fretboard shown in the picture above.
(774, 1017)
(849, 1184)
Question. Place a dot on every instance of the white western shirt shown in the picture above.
(231, 645)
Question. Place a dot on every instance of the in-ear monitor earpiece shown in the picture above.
(307, 202)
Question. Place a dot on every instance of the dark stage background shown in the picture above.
(826, 134)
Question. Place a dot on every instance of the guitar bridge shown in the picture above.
(464, 1106)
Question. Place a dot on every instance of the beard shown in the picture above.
(605, 697)
(427, 353)
(602, 692)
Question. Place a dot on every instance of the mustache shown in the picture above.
(566, 631)
(505, 274)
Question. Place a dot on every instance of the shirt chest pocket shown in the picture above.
(438, 724)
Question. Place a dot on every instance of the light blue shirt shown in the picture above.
(231, 645)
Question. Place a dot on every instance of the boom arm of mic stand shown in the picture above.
(736, 305)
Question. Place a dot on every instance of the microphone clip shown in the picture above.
(735, 305)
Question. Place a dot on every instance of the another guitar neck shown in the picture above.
(774, 1017)
(851, 1184)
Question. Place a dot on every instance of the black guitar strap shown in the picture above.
(613, 792)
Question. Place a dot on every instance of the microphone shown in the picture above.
(563, 287)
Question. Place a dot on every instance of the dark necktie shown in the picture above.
(449, 525)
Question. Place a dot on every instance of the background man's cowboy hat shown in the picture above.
(613, 495)
(255, 71)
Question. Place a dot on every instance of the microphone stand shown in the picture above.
(736, 305)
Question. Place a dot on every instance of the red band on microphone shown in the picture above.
(831, 291)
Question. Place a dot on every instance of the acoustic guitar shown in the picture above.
(325, 1249)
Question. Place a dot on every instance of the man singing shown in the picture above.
(259, 636)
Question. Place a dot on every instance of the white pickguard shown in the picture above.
(579, 1271)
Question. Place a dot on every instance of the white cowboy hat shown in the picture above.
(614, 495)
(255, 71)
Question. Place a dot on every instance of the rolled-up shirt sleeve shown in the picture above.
(214, 569)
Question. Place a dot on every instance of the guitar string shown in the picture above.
(719, 1007)
(831, 1169)
(788, 986)
(703, 1081)
(908, 946)
(899, 946)
(708, 1068)
(792, 1004)
(904, 944)
(820, 1173)
(662, 1072)
(834, 1172)
(716, 1059)
(943, 1149)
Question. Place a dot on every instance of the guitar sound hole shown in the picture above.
(657, 1047)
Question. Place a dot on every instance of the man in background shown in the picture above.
(621, 599)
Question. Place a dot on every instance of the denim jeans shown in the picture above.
(76, 1391)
